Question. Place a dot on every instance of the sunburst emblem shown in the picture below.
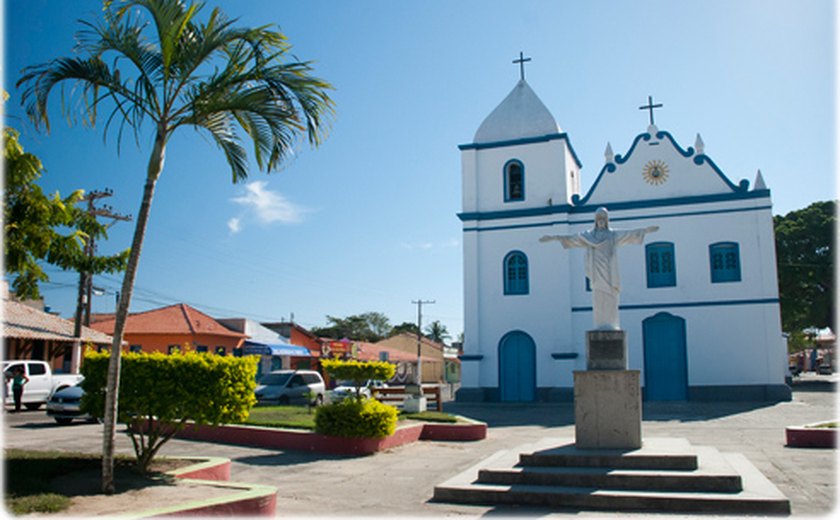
(655, 172)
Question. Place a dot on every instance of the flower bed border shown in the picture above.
(302, 440)
(246, 500)
(810, 436)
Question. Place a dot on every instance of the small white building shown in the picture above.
(699, 300)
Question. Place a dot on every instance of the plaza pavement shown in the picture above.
(400, 482)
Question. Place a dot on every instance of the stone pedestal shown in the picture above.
(608, 409)
(608, 397)
(606, 350)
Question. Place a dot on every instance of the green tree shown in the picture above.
(405, 327)
(368, 326)
(32, 222)
(153, 65)
(436, 331)
(805, 259)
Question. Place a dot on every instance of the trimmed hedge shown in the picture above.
(364, 417)
(160, 392)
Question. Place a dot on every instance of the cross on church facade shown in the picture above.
(650, 106)
(521, 61)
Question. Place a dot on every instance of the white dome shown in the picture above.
(521, 114)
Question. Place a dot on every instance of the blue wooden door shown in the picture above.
(517, 367)
(666, 368)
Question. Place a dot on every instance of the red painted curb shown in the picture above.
(257, 506)
(220, 471)
(802, 437)
(302, 440)
(454, 432)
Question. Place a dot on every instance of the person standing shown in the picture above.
(19, 380)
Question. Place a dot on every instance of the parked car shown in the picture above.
(347, 388)
(291, 387)
(42, 382)
(65, 405)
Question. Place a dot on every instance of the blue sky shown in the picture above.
(367, 222)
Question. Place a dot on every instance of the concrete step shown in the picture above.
(714, 474)
(610, 500)
(612, 479)
(655, 454)
(722, 484)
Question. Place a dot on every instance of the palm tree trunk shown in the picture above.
(113, 383)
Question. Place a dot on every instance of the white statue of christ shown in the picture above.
(601, 264)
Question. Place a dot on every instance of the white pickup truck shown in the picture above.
(42, 382)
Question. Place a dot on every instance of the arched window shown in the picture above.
(725, 262)
(516, 273)
(661, 266)
(514, 181)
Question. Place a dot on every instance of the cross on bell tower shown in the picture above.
(649, 107)
(521, 61)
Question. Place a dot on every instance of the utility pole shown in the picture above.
(420, 304)
(83, 299)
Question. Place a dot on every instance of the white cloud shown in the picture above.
(431, 245)
(268, 206)
(234, 225)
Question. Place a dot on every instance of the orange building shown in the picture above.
(176, 326)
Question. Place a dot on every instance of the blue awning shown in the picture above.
(274, 349)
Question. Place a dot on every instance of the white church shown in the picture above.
(699, 298)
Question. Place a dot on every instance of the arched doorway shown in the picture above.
(666, 366)
(517, 367)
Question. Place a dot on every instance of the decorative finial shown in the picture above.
(521, 61)
(759, 183)
(699, 145)
(608, 153)
(649, 107)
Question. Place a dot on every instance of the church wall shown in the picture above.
(685, 177)
(545, 170)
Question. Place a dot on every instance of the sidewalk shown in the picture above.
(400, 482)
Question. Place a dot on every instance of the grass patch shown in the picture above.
(29, 475)
(824, 425)
(431, 416)
(297, 417)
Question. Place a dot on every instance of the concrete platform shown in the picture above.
(665, 475)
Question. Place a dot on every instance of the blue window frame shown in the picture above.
(516, 273)
(514, 181)
(725, 262)
(661, 265)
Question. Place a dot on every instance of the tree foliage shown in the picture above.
(44, 229)
(805, 258)
(369, 326)
(358, 371)
(159, 393)
(437, 332)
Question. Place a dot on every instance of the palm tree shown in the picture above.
(437, 332)
(155, 67)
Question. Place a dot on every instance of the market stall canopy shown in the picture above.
(263, 341)
(274, 349)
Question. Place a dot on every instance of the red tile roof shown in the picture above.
(175, 319)
(23, 322)
(370, 352)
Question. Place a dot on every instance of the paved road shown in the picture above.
(399, 482)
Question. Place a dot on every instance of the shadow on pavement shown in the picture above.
(563, 414)
(287, 458)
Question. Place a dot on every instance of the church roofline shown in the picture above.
(524, 140)
(613, 206)
(699, 159)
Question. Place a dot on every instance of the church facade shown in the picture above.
(699, 298)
